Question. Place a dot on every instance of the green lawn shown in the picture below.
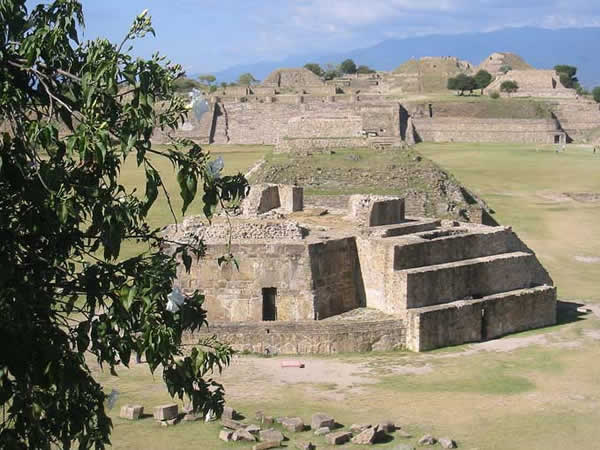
(524, 185)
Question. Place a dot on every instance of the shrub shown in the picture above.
(494, 94)
(509, 86)
(596, 94)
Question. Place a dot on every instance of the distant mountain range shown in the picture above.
(542, 48)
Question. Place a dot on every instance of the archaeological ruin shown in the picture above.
(296, 111)
(363, 278)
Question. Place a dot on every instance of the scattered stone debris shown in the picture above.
(359, 427)
(338, 438)
(322, 431)
(268, 420)
(253, 429)
(427, 440)
(166, 412)
(131, 412)
(387, 426)
(302, 445)
(320, 420)
(447, 443)
(270, 435)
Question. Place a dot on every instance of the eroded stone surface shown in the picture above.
(165, 412)
(338, 438)
(131, 412)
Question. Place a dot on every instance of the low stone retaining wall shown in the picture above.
(307, 336)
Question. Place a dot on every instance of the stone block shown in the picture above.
(359, 427)
(165, 412)
(302, 445)
(291, 198)
(387, 426)
(266, 445)
(231, 424)
(225, 435)
(320, 420)
(386, 212)
(270, 435)
(447, 443)
(427, 440)
(131, 412)
(253, 429)
(369, 436)
(338, 438)
(293, 424)
(322, 431)
(229, 412)
(243, 435)
(261, 199)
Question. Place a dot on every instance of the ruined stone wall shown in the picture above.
(533, 83)
(476, 320)
(321, 337)
(308, 145)
(337, 278)
(310, 126)
(460, 129)
(577, 118)
(236, 295)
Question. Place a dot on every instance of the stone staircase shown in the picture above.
(465, 284)
(577, 118)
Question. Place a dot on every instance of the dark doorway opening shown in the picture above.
(557, 138)
(430, 111)
(269, 310)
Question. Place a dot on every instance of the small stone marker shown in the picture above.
(270, 435)
(266, 445)
(225, 435)
(165, 412)
(296, 364)
(243, 435)
(369, 436)
(427, 440)
(447, 443)
(322, 431)
(228, 412)
(320, 420)
(339, 438)
(301, 445)
(131, 412)
(232, 424)
(293, 424)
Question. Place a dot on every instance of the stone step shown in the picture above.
(409, 227)
(477, 277)
(477, 320)
(454, 244)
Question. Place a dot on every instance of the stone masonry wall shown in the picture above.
(459, 129)
(236, 295)
(337, 279)
(321, 337)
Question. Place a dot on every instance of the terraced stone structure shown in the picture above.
(368, 278)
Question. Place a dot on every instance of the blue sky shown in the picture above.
(209, 35)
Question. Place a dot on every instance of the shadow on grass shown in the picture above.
(567, 312)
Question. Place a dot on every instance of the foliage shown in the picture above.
(364, 69)
(495, 95)
(483, 79)
(509, 86)
(246, 79)
(332, 71)
(462, 83)
(184, 84)
(71, 114)
(348, 66)
(596, 94)
(207, 79)
(314, 68)
(567, 76)
(505, 68)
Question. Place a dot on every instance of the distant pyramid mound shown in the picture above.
(431, 73)
(292, 77)
(495, 61)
